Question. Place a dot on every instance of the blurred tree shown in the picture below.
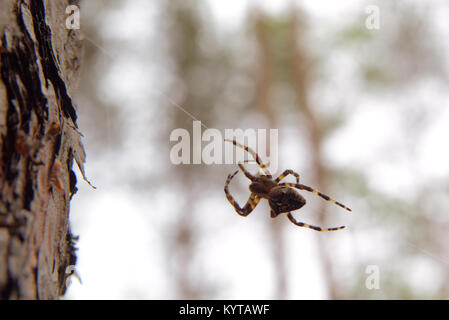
(284, 62)
(303, 75)
(398, 64)
(229, 81)
(198, 70)
(99, 114)
(265, 81)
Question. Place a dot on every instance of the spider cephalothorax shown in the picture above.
(281, 197)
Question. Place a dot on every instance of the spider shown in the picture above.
(281, 197)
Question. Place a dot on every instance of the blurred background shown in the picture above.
(362, 114)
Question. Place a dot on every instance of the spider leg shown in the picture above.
(286, 173)
(254, 154)
(247, 173)
(307, 188)
(250, 204)
(305, 225)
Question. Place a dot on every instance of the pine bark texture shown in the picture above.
(39, 68)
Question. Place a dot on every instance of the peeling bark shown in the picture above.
(39, 67)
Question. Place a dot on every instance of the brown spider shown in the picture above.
(281, 197)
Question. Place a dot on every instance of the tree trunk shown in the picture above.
(39, 66)
(264, 85)
(302, 68)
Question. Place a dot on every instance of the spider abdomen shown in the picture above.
(283, 199)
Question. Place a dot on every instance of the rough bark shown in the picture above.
(39, 66)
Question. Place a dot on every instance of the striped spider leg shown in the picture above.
(307, 188)
(253, 198)
(305, 225)
(250, 204)
(254, 154)
(286, 173)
